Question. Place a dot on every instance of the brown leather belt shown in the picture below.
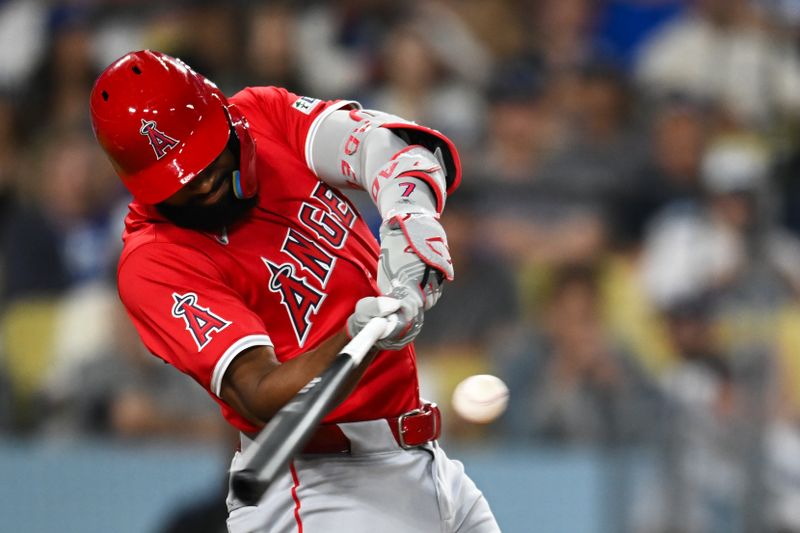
(410, 430)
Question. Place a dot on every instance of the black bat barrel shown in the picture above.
(288, 431)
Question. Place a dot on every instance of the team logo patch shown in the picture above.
(200, 321)
(305, 104)
(159, 141)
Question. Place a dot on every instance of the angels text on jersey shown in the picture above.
(302, 280)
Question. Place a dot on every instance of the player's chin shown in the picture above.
(223, 213)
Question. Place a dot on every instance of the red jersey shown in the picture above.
(287, 275)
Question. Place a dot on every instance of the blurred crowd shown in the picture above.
(626, 237)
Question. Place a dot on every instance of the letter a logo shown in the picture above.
(300, 299)
(159, 141)
(200, 321)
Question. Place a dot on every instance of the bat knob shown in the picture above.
(247, 487)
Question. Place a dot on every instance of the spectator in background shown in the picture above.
(519, 127)
(416, 82)
(453, 41)
(483, 18)
(573, 384)
(337, 43)
(209, 35)
(595, 162)
(725, 50)
(562, 36)
(56, 94)
(270, 50)
(522, 218)
(61, 236)
(701, 479)
(725, 241)
(670, 170)
(679, 135)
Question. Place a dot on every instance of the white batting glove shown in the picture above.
(401, 303)
(414, 254)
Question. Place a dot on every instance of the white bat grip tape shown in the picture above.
(376, 329)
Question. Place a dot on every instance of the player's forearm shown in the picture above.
(258, 390)
(276, 388)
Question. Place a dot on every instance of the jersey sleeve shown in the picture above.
(186, 313)
(287, 117)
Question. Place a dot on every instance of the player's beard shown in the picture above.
(209, 218)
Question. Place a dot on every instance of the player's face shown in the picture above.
(207, 203)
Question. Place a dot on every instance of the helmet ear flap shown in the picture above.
(245, 184)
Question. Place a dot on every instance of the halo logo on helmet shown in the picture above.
(194, 125)
(160, 141)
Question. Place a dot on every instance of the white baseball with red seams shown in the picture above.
(480, 398)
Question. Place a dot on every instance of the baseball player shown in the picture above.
(245, 268)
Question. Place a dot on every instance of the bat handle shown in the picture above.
(376, 329)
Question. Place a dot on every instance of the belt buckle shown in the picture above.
(401, 431)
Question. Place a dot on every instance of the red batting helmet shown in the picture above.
(161, 124)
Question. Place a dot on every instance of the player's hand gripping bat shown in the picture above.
(291, 427)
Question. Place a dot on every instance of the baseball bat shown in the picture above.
(292, 426)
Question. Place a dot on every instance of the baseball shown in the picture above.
(480, 398)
